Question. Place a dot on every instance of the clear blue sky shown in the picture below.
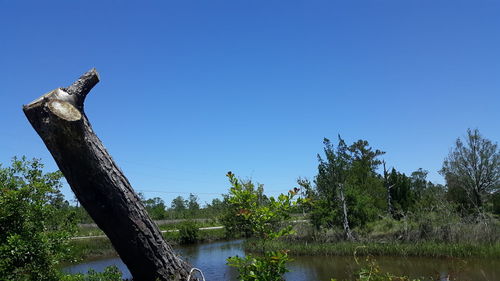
(192, 89)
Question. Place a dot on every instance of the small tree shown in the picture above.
(35, 224)
(401, 194)
(178, 204)
(473, 166)
(348, 191)
(215, 209)
(155, 207)
(243, 196)
(193, 205)
(333, 173)
(267, 222)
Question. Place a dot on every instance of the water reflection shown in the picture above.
(211, 258)
(99, 266)
(345, 268)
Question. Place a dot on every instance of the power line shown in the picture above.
(177, 192)
(195, 192)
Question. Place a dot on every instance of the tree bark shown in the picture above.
(388, 187)
(347, 229)
(100, 186)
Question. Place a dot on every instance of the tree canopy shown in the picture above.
(472, 168)
(35, 224)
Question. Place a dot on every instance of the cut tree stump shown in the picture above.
(100, 186)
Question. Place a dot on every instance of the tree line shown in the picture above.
(354, 187)
(349, 191)
(352, 191)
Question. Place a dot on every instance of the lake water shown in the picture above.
(211, 259)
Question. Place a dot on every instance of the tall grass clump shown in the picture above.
(422, 249)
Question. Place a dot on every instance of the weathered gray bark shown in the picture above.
(347, 229)
(388, 188)
(100, 186)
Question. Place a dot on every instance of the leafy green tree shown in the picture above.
(307, 195)
(155, 207)
(35, 224)
(366, 192)
(81, 214)
(419, 182)
(348, 191)
(401, 193)
(473, 166)
(193, 205)
(333, 172)
(243, 196)
(267, 221)
(179, 204)
(215, 209)
(455, 193)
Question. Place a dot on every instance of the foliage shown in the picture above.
(81, 215)
(474, 168)
(495, 198)
(215, 209)
(181, 208)
(243, 197)
(351, 170)
(188, 232)
(264, 219)
(408, 193)
(179, 204)
(193, 205)
(155, 208)
(269, 267)
(402, 196)
(35, 223)
(110, 273)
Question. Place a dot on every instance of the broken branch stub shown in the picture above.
(100, 186)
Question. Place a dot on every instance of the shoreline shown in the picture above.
(100, 246)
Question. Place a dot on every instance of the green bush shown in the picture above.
(35, 224)
(267, 222)
(270, 267)
(188, 232)
(243, 196)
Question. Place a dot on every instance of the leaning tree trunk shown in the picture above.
(100, 186)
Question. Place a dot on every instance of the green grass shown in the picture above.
(88, 231)
(421, 249)
(81, 249)
(91, 248)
